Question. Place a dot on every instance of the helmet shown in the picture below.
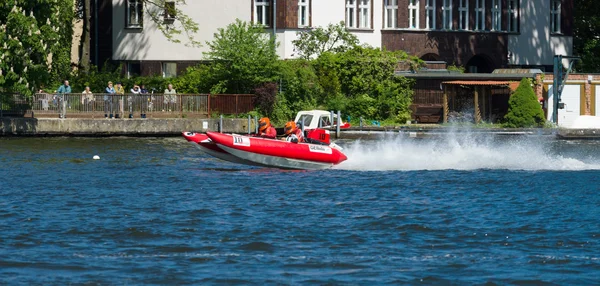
(290, 127)
(263, 124)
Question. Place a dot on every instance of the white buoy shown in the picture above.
(96, 157)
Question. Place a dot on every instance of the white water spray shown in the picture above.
(459, 152)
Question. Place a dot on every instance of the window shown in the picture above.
(513, 13)
(351, 13)
(134, 14)
(391, 14)
(480, 15)
(364, 13)
(303, 13)
(170, 11)
(447, 15)
(463, 12)
(496, 15)
(133, 69)
(413, 14)
(261, 12)
(555, 20)
(169, 69)
(430, 8)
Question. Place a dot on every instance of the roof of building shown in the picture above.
(517, 71)
(511, 84)
(450, 75)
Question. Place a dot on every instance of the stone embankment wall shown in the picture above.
(112, 127)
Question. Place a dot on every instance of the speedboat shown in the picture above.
(315, 154)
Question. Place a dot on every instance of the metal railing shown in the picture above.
(124, 106)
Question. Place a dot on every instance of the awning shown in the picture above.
(477, 82)
(511, 84)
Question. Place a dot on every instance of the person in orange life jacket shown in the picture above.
(265, 129)
(294, 134)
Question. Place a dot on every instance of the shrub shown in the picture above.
(266, 95)
(523, 108)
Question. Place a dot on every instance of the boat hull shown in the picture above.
(202, 142)
(277, 153)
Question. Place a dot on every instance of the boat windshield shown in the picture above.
(306, 119)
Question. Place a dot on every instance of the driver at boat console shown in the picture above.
(265, 129)
(293, 133)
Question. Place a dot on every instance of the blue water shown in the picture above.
(156, 211)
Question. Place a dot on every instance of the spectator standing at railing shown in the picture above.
(108, 92)
(44, 98)
(61, 99)
(87, 99)
(170, 97)
(135, 91)
(145, 100)
(120, 90)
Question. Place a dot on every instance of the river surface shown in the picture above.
(459, 210)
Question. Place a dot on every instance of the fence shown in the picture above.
(128, 105)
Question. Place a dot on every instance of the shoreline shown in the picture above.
(172, 127)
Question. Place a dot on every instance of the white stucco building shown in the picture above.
(481, 35)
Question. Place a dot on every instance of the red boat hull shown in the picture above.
(278, 153)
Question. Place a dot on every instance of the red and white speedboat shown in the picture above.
(270, 152)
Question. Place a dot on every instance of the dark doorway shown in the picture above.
(480, 64)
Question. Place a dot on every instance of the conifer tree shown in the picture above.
(523, 108)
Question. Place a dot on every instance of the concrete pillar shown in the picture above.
(476, 114)
(445, 105)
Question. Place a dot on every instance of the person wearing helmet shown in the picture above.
(293, 133)
(265, 129)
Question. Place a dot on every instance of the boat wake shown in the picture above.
(458, 152)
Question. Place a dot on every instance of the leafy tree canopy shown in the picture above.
(586, 40)
(35, 43)
(333, 38)
(242, 56)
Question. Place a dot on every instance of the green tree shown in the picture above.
(523, 108)
(586, 39)
(333, 38)
(35, 47)
(242, 56)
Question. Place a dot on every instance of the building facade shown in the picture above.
(480, 35)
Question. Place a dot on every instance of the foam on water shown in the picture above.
(460, 152)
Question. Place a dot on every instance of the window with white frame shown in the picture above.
(364, 14)
(555, 20)
(134, 14)
(303, 13)
(413, 14)
(463, 15)
(447, 15)
(169, 69)
(479, 15)
(496, 15)
(513, 16)
(430, 14)
(351, 13)
(391, 14)
(261, 12)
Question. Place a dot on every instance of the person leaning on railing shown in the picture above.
(145, 101)
(170, 97)
(120, 90)
(108, 92)
(87, 99)
(135, 91)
